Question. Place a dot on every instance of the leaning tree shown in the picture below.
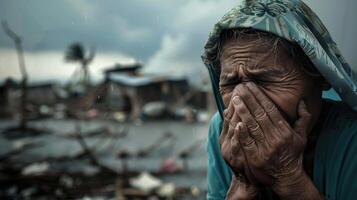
(18, 44)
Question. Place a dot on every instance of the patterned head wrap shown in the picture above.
(296, 22)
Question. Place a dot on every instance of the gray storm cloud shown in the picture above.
(167, 36)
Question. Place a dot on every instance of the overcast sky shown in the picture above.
(165, 35)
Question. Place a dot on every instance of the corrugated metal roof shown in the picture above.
(123, 68)
(142, 80)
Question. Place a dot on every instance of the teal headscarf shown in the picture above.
(295, 22)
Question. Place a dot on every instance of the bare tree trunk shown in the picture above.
(23, 120)
(20, 55)
(86, 76)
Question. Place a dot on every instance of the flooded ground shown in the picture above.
(174, 151)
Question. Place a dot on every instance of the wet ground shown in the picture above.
(157, 141)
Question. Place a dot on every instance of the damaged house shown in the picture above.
(129, 91)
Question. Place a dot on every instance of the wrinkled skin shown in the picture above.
(272, 105)
(241, 190)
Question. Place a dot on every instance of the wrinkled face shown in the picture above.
(274, 71)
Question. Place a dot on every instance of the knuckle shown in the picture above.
(248, 143)
(252, 126)
(232, 124)
(260, 115)
(258, 135)
(227, 114)
(270, 107)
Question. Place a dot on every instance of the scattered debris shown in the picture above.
(18, 132)
(123, 155)
(195, 191)
(154, 109)
(66, 181)
(157, 144)
(145, 182)
(91, 155)
(170, 166)
(36, 169)
(167, 190)
(86, 172)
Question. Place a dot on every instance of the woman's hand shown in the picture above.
(272, 148)
(241, 190)
(240, 187)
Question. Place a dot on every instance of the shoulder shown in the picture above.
(335, 163)
(339, 115)
(215, 126)
(218, 173)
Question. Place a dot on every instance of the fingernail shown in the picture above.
(236, 100)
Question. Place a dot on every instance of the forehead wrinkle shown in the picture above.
(268, 58)
(233, 47)
(255, 56)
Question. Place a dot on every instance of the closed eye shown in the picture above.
(228, 80)
(229, 83)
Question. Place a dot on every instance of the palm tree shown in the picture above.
(77, 53)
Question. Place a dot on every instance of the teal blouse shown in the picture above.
(335, 161)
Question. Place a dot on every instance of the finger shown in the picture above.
(224, 131)
(234, 119)
(228, 112)
(246, 142)
(255, 109)
(230, 132)
(227, 131)
(249, 153)
(232, 123)
(236, 146)
(223, 135)
(269, 107)
(235, 139)
(302, 123)
(236, 151)
(227, 115)
(253, 127)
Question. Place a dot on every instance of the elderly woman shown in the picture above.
(274, 136)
